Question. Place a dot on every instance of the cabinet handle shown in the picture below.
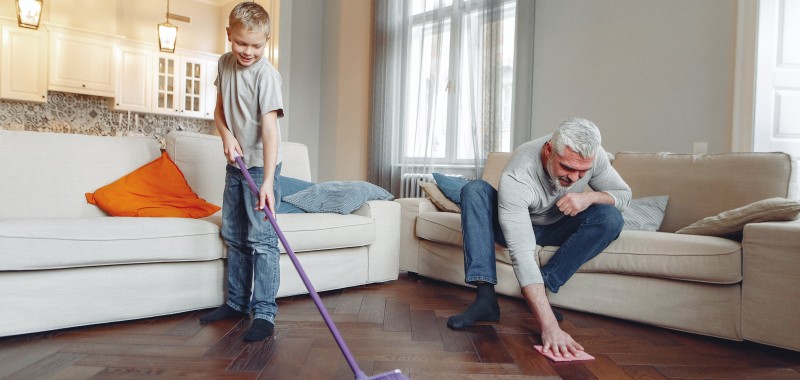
(84, 86)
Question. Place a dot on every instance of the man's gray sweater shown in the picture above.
(527, 197)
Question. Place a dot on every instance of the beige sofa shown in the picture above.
(701, 284)
(65, 263)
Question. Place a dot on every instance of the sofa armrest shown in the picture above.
(384, 252)
(409, 242)
(770, 285)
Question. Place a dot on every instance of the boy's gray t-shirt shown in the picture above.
(247, 94)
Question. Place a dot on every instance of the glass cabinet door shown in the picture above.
(192, 93)
(166, 90)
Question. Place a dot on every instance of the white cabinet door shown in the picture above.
(165, 87)
(180, 86)
(192, 91)
(23, 71)
(82, 64)
(211, 88)
(133, 90)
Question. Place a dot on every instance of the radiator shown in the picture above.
(409, 187)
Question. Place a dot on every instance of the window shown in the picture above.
(447, 44)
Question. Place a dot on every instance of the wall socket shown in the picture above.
(700, 148)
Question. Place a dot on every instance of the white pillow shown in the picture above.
(733, 221)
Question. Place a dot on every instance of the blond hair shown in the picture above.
(251, 16)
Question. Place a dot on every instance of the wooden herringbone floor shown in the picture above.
(400, 324)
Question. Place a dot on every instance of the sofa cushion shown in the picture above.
(47, 174)
(645, 214)
(666, 255)
(437, 197)
(445, 227)
(156, 189)
(290, 186)
(314, 232)
(450, 186)
(31, 244)
(701, 186)
(655, 254)
(202, 162)
(733, 221)
(341, 197)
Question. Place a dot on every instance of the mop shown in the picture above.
(393, 375)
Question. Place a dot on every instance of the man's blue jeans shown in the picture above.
(580, 237)
(253, 254)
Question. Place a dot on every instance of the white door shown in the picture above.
(777, 108)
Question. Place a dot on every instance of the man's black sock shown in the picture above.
(259, 330)
(558, 315)
(222, 312)
(485, 308)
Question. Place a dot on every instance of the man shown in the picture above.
(542, 198)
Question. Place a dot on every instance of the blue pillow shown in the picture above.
(342, 197)
(291, 186)
(450, 186)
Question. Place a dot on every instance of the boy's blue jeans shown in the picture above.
(253, 255)
(580, 237)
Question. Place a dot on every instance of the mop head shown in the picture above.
(394, 375)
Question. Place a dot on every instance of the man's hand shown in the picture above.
(559, 342)
(553, 338)
(572, 204)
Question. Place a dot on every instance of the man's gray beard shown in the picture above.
(554, 180)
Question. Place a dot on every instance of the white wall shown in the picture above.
(304, 79)
(345, 102)
(328, 103)
(653, 75)
(137, 20)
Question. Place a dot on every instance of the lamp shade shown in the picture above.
(29, 13)
(167, 35)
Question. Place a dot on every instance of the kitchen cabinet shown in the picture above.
(180, 85)
(211, 88)
(82, 63)
(133, 88)
(23, 64)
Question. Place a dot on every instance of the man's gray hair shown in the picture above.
(580, 135)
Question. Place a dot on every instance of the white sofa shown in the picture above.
(701, 284)
(65, 263)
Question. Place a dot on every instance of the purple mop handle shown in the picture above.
(314, 296)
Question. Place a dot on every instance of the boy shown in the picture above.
(246, 116)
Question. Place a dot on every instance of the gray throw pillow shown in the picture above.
(341, 197)
(645, 214)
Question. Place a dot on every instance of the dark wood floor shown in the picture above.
(394, 325)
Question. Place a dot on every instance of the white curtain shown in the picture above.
(444, 87)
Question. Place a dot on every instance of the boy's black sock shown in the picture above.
(222, 312)
(484, 308)
(259, 330)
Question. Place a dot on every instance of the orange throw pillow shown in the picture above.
(155, 189)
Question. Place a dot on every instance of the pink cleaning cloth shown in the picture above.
(549, 354)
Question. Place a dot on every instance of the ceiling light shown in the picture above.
(167, 35)
(29, 13)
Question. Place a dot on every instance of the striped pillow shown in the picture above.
(645, 214)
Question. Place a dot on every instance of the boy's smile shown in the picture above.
(247, 45)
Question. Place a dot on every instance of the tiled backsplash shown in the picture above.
(90, 115)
